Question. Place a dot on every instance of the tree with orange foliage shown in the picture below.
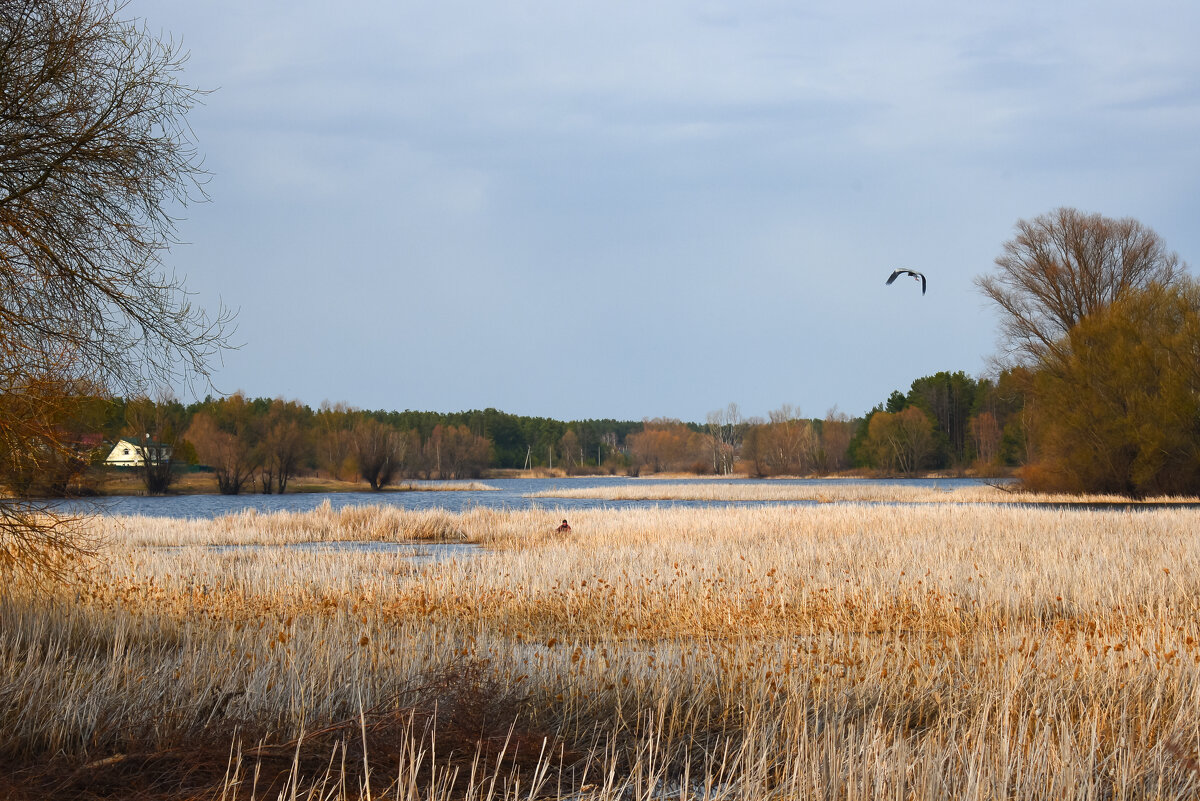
(1104, 320)
(1117, 407)
(665, 444)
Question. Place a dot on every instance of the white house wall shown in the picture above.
(129, 454)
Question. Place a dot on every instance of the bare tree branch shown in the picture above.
(1062, 266)
(95, 153)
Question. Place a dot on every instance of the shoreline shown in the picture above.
(129, 484)
(204, 483)
(192, 484)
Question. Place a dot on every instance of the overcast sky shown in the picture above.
(631, 209)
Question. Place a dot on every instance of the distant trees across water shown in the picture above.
(945, 421)
(1049, 424)
(1100, 325)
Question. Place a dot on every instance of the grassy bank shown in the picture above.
(128, 482)
(865, 491)
(838, 651)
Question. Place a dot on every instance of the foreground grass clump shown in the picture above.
(835, 651)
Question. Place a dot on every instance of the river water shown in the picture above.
(509, 493)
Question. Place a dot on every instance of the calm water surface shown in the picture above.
(419, 553)
(509, 494)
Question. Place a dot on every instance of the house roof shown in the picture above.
(147, 444)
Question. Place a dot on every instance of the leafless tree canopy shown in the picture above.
(722, 426)
(95, 153)
(1061, 266)
(380, 450)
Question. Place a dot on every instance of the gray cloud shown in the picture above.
(626, 209)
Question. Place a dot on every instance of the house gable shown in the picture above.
(128, 453)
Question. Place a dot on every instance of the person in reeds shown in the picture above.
(563, 529)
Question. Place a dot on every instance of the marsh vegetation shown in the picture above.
(831, 651)
(843, 492)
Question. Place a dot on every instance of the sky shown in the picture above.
(629, 209)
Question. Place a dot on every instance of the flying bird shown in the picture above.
(916, 277)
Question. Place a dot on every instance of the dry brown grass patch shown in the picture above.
(841, 651)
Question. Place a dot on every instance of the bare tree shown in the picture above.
(836, 432)
(335, 443)
(903, 440)
(377, 447)
(755, 444)
(224, 437)
(791, 443)
(456, 452)
(570, 450)
(41, 438)
(608, 447)
(722, 426)
(985, 437)
(228, 453)
(283, 446)
(1064, 265)
(94, 153)
(156, 428)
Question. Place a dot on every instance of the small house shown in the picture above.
(131, 453)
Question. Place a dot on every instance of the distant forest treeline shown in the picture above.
(946, 421)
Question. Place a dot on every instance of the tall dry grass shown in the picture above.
(835, 651)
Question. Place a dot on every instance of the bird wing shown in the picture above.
(904, 271)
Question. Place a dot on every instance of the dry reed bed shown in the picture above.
(835, 651)
(442, 486)
(252, 527)
(865, 491)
